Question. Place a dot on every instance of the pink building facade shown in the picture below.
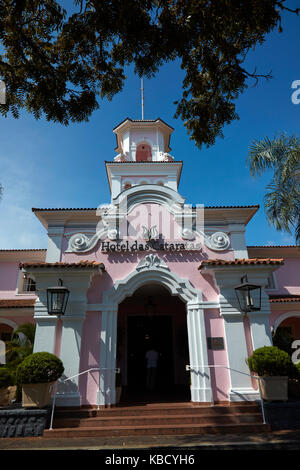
(147, 269)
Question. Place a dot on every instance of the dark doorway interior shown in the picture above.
(145, 332)
(142, 332)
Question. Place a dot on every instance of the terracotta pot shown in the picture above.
(274, 388)
(37, 395)
(7, 395)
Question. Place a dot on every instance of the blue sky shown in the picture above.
(44, 164)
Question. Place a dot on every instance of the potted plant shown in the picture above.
(7, 387)
(38, 373)
(274, 366)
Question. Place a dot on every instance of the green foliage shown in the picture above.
(282, 199)
(59, 62)
(40, 367)
(297, 366)
(283, 340)
(6, 378)
(270, 360)
(20, 344)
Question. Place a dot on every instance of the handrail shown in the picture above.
(189, 367)
(117, 370)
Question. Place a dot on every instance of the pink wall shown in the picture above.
(8, 278)
(220, 380)
(288, 278)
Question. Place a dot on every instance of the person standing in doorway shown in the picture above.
(151, 359)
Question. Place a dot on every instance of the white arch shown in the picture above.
(153, 269)
(10, 323)
(283, 317)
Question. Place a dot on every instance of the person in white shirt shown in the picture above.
(151, 359)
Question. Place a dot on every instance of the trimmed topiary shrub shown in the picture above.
(40, 367)
(270, 360)
(6, 379)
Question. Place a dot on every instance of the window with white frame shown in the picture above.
(27, 283)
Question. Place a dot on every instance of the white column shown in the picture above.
(238, 242)
(45, 332)
(241, 385)
(68, 392)
(55, 236)
(200, 376)
(107, 390)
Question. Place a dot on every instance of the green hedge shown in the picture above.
(40, 367)
(271, 360)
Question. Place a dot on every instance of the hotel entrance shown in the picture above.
(153, 320)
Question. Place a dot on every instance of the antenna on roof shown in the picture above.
(142, 97)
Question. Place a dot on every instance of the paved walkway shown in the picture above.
(277, 440)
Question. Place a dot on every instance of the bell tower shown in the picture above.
(143, 157)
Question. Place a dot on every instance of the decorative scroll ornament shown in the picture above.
(150, 234)
(218, 241)
(188, 234)
(151, 261)
(166, 157)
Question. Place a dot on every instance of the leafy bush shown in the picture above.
(6, 378)
(270, 360)
(40, 367)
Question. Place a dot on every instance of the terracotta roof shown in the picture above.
(142, 120)
(19, 303)
(284, 299)
(34, 209)
(239, 262)
(80, 264)
(146, 161)
(273, 246)
(24, 249)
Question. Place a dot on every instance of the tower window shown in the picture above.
(143, 153)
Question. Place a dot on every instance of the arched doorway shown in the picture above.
(286, 330)
(152, 319)
(153, 270)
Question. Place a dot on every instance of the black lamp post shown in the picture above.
(248, 295)
(57, 299)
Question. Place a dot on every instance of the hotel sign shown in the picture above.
(156, 245)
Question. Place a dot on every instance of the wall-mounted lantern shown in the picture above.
(248, 295)
(57, 299)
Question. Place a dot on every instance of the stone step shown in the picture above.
(203, 419)
(166, 429)
(156, 409)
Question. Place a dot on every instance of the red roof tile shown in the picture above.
(238, 262)
(283, 299)
(80, 264)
